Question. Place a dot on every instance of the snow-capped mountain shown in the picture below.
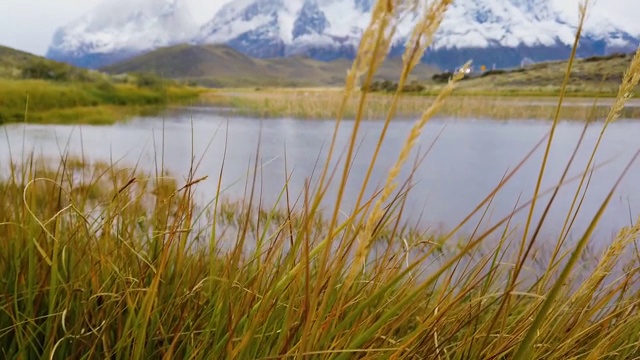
(119, 29)
(324, 29)
(491, 32)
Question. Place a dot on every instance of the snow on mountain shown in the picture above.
(483, 23)
(502, 32)
(480, 29)
(268, 28)
(117, 29)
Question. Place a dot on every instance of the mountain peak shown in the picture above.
(108, 33)
(488, 31)
(310, 21)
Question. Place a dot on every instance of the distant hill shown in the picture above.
(12, 56)
(221, 65)
(590, 77)
(16, 64)
(588, 74)
(12, 61)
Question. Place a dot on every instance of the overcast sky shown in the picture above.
(29, 24)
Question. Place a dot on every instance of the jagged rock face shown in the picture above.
(500, 32)
(260, 42)
(311, 20)
(252, 27)
(365, 5)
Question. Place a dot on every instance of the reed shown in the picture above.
(108, 261)
(323, 104)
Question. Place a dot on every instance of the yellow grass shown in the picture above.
(100, 261)
(324, 103)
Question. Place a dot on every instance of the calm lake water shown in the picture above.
(466, 162)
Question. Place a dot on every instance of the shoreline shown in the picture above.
(50, 102)
(319, 104)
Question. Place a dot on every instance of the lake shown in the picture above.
(467, 160)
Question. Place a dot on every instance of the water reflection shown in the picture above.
(467, 161)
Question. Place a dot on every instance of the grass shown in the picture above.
(324, 103)
(83, 102)
(52, 92)
(522, 93)
(104, 261)
(593, 76)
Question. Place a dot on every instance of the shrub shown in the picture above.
(414, 87)
(375, 86)
(47, 70)
(148, 80)
(493, 72)
(605, 57)
(388, 86)
(105, 85)
(384, 85)
(442, 77)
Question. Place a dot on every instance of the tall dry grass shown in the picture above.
(323, 104)
(102, 261)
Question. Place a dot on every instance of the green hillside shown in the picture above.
(56, 92)
(12, 61)
(12, 58)
(16, 64)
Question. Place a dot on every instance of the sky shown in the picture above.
(29, 25)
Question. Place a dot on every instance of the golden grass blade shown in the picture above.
(390, 184)
(524, 350)
(421, 39)
(629, 82)
(583, 13)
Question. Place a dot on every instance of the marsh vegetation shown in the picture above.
(314, 103)
(38, 90)
(101, 261)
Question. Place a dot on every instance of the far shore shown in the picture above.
(323, 102)
(51, 103)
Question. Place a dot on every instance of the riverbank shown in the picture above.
(324, 103)
(100, 102)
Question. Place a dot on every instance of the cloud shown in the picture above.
(203, 10)
(622, 13)
(29, 24)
